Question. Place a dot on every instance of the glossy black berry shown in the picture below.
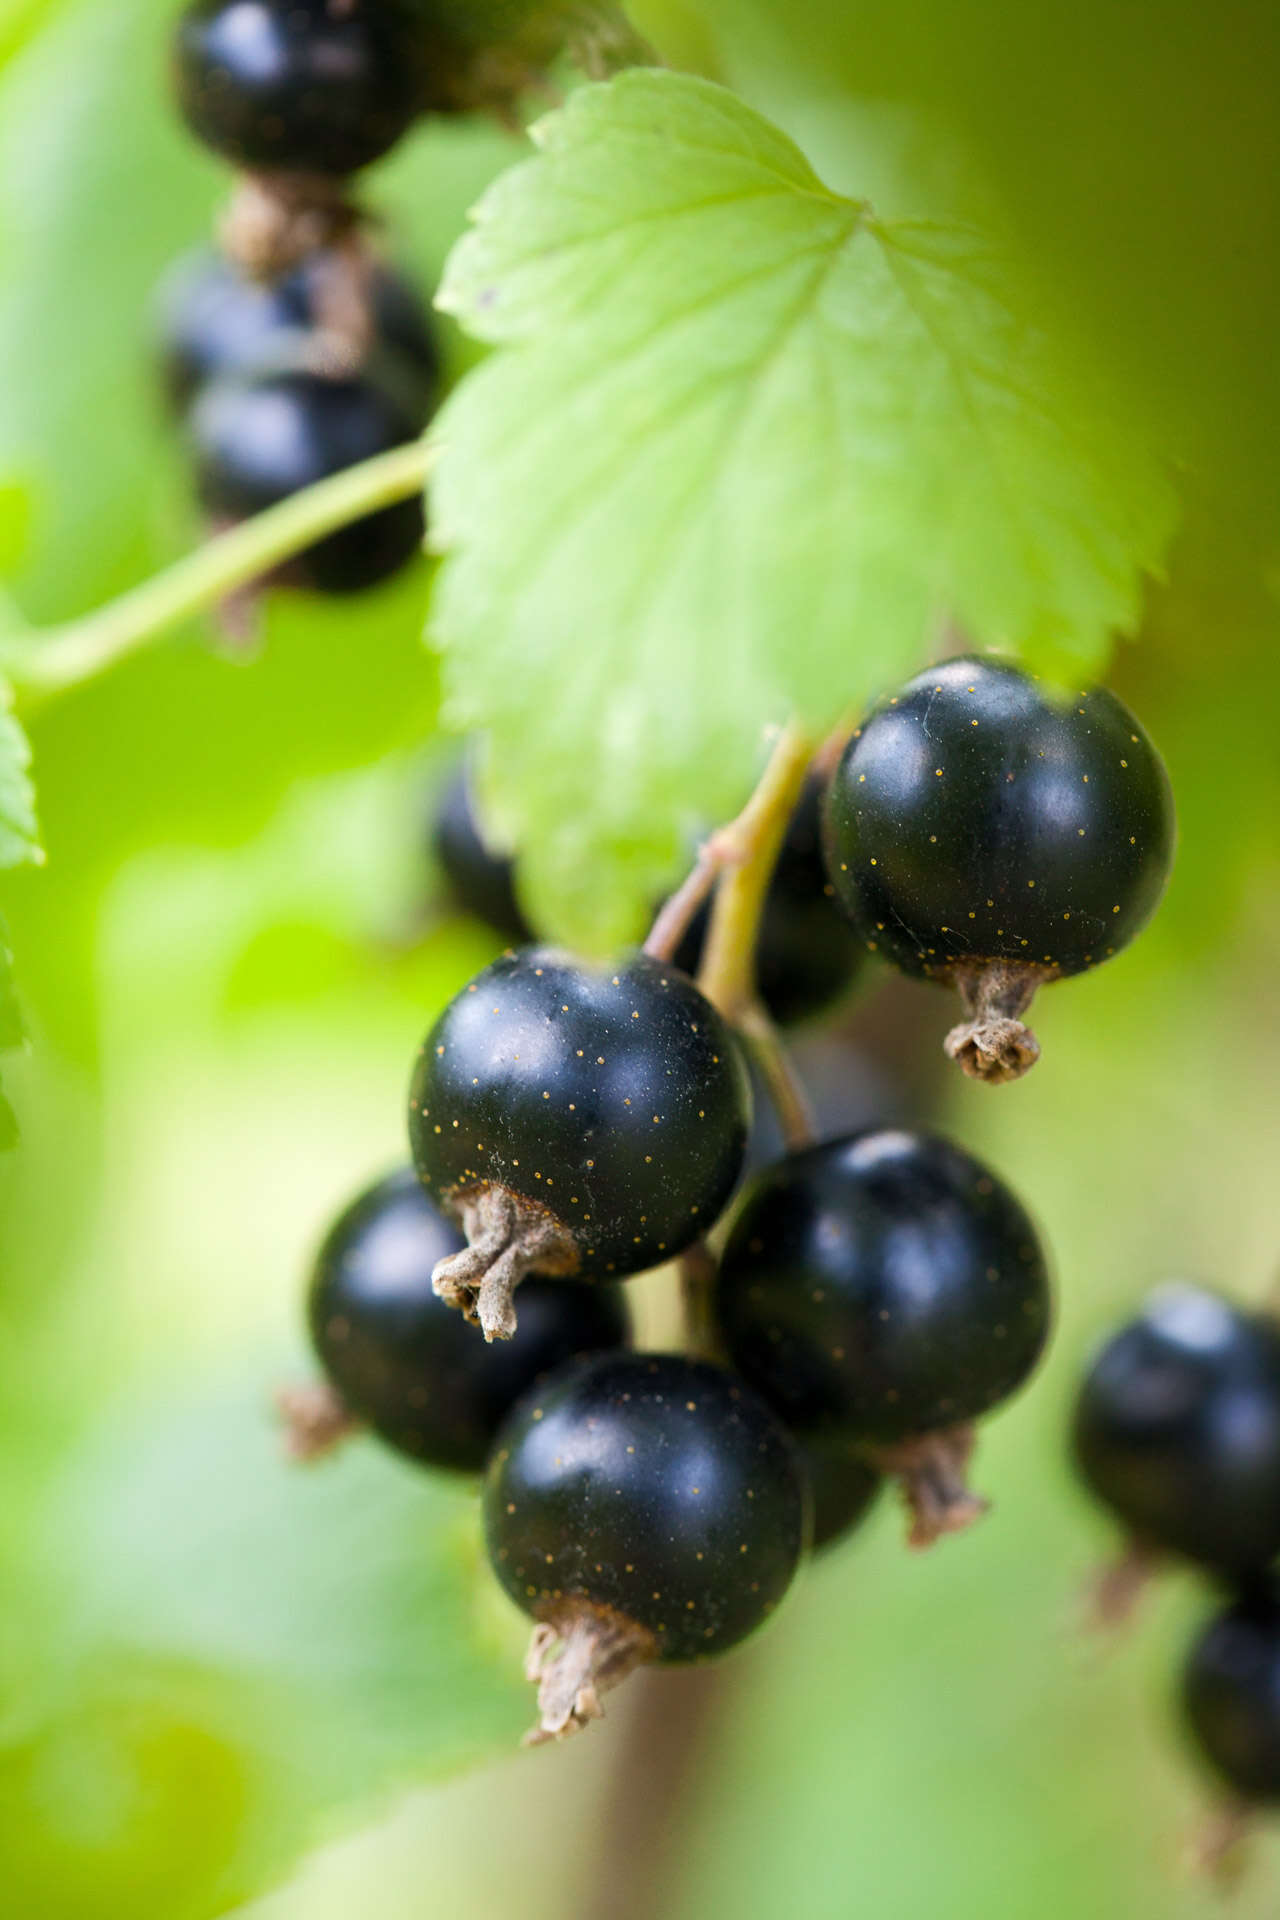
(843, 1486)
(807, 954)
(297, 86)
(260, 438)
(988, 833)
(1177, 1430)
(1231, 1693)
(480, 881)
(406, 1364)
(882, 1290)
(640, 1508)
(213, 320)
(579, 1119)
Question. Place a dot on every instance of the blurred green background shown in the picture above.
(218, 1677)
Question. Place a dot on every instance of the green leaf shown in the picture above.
(250, 1643)
(744, 449)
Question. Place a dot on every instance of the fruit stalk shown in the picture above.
(42, 662)
(728, 972)
(748, 853)
(738, 860)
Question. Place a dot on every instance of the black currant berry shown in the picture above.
(480, 881)
(260, 438)
(215, 321)
(989, 834)
(406, 1364)
(1231, 1693)
(843, 1486)
(807, 954)
(1177, 1430)
(639, 1508)
(578, 1120)
(297, 86)
(885, 1291)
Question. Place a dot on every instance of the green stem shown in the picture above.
(751, 845)
(48, 660)
(786, 1089)
(739, 861)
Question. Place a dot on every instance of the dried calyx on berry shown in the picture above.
(580, 1121)
(988, 833)
(639, 1508)
(397, 1360)
(883, 1292)
(216, 320)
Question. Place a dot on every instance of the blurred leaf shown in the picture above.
(1152, 210)
(15, 516)
(746, 446)
(98, 189)
(12, 1026)
(19, 19)
(249, 1644)
(19, 834)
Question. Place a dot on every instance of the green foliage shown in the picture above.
(744, 448)
(180, 1651)
(12, 1034)
(19, 846)
(95, 200)
(19, 835)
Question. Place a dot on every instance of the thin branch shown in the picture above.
(673, 1720)
(754, 837)
(46, 661)
(786, 1089)
(697, 1268)
(752, 842)
(677, 913)
(741, 856)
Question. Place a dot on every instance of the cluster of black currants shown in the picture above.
(1177, 1433)
(295, 352)
(872, 1296)
(979, 831)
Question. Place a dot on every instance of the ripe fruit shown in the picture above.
(639, 1508)
(259, 438)
(481, 882)
(884, 1291)
(1177, 1430)
(402, 1361)
(296, 86)
(1231, 1693)
(989, 834)
(578, 1120)
(215, 321)
(807, 955)
(843, 1487)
